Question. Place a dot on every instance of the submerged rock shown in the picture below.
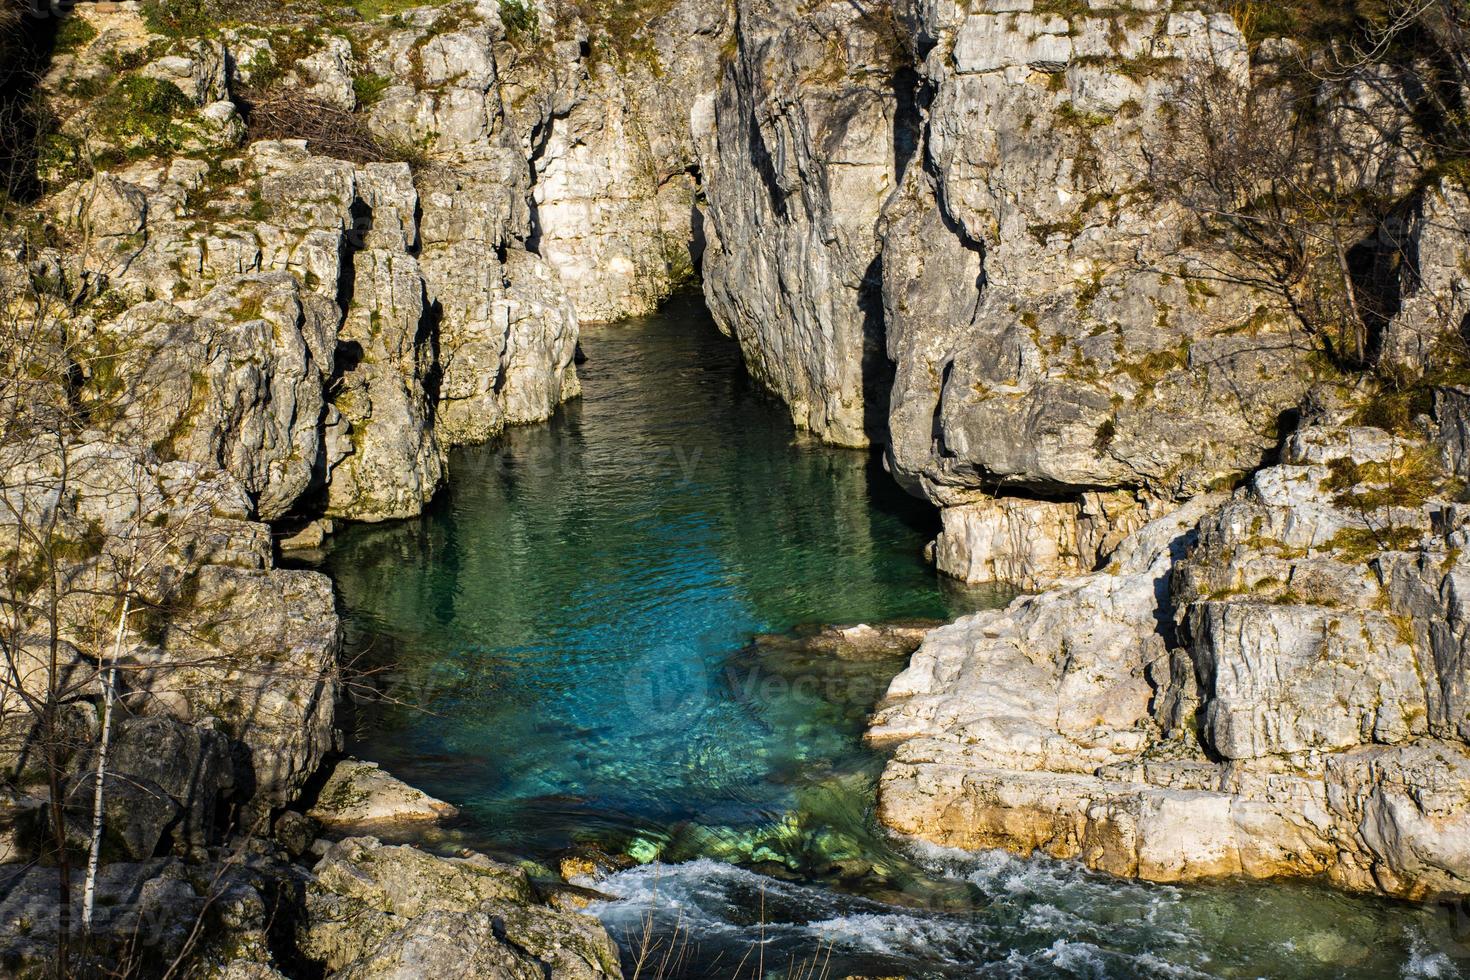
(591, 863)
(860, 642)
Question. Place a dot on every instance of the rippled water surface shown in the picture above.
(573, 622)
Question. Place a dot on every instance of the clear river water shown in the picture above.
(562, 647)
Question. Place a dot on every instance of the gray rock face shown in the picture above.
(597, 217)
(395, 464)
(1433, 296)
(216, 636)
(149, 905)
(165, 780)
(605, 123)
(238, 366)
(798, 151)
(318, 275)
(383, 911)
(444, 95)
(1031, 543)
(1052, 331)
(269, 337)
(1452, 422)
(233, 379)
(612, 202)
(257, 651)
(1057, 681)
(381, 270)
(508, 332)
(1251, 688)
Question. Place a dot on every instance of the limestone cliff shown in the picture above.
(1272, 686)
(279, 270)
(1081, 362)
(799, 149)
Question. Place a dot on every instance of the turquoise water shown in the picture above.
(562, 648)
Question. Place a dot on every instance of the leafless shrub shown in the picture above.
(1427, 44)
(327, 129)
(22, 118)
(1261, 176)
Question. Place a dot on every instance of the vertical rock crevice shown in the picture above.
(800, 152)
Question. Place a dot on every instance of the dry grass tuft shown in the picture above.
(327, 129)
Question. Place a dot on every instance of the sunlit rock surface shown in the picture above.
(1270, 687)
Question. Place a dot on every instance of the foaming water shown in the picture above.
(1023, 918)
(572, 621)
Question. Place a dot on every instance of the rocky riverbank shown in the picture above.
(280, 268)
(1089, 355)
(1267, 685)
(267, 266)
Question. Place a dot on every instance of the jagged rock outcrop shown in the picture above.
(597, 219)
(605, 122)
(235, 379)
(365, 910)
(507, 330)
(1254, 688)
(166, 782)
(1031, 543)
(386, 911)
(599, 125)
(1054, 332)
(392, 279)
(215, 636)
(799, 150)
(1432, 297)
(272, 270)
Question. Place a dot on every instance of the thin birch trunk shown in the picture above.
(107, 677)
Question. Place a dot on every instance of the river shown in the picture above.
(562, 647)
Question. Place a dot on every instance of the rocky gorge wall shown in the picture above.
(800, 148)
(295, 266)
(279, 272)
(1207, 685)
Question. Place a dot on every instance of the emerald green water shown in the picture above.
(562, 648)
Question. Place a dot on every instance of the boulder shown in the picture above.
(256, 650)
(234, 380)
(145, 912)
(378, 910)
(359, 796)
(166, 782)
(1249, 688)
